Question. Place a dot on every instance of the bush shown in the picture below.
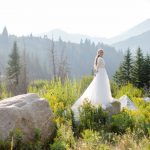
(91, 117)
(91, 140)
(16, 141)
(121, 122)
(5, 145)
(90, 136)
(58, 145)
(129, 90)
(141, 120)
(66, 136)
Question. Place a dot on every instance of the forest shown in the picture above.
(78, 58)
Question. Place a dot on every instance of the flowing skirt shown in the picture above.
(98, 92)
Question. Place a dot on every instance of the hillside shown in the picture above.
(134, 31)
(142, 40)
(79, 57)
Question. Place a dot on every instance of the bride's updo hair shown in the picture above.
(96, 57)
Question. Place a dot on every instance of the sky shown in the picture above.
(99, 18)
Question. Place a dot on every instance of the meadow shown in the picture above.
(130, 129)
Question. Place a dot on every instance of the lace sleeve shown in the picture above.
(100, 64)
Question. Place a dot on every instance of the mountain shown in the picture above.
(138, 35)
(75, 38)
(142, 41)
(134, 31)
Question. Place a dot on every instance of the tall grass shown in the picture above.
(126, 130)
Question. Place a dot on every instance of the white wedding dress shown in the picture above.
(98, 92)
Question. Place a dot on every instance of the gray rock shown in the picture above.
(26, 113)
(114, 107)
(127, 103)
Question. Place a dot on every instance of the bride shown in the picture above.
(98, 92)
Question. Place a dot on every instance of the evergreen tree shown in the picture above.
(118, 76)
(13, 69)
(146, 71)
(138, 69)
(123, 75)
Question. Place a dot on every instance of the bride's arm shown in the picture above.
(96, 67)
(99, 62)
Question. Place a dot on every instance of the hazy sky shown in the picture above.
(103, 18)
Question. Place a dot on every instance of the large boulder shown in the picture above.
(26, 112)
(114, 107)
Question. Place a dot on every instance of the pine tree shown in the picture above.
(123, 75)
(13, 69)
(146, 71)
(138, 69)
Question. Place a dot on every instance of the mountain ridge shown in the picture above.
(75, 37)
(134, 42)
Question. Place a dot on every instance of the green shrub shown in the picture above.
(5, 145)
(17, 143)
(92, 140)
(121, 122)
(129, 90)
(58, 145)
(141, 120)
(91, 117)
(90, 136)
(109, 137)
(66, 136)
